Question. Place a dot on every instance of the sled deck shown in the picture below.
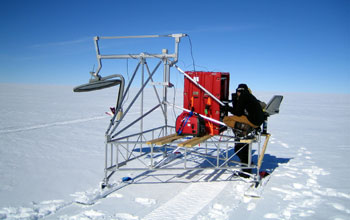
(248, 141)
(194, 141)
(173, 137)
(165, 139)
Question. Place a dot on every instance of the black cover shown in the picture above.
(101, 84)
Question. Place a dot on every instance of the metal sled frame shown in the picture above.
(213, 152)
(122, 148)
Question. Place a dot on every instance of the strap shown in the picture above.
(208, 113)
(183, 124)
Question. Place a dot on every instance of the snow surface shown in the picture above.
(52, 151)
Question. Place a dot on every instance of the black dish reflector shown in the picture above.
(100, 84)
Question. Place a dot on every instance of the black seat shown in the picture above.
(273, 107)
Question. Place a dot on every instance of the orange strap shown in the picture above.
(209, 101)
(211, 126)
(192, 102)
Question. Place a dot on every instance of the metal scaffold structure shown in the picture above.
(122, 147)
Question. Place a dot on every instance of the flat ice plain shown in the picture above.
(52, 151)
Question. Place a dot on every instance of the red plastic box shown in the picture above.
(195, 98)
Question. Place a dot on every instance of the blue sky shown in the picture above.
(272, 45)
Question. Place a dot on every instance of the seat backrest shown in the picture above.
(273, 107)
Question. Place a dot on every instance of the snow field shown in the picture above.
(303, 196)
(52, 151)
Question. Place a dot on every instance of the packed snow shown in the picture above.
(52, 154)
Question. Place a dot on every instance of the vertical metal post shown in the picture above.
(152, 145)
(218, 155)
(98, 56)
(127, 148)
(111, 162)
(257, 166)
(226, 154)
(117, 156)
(259, 152)
(106, 163)
(166, 76)
(185, 157)
(250, 154)
(142, 95)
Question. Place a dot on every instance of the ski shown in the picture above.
(169, 158)
(256, 188)
(90, 198)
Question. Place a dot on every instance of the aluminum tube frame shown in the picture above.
(136, 134)
(115, 158)
(143, 61)
(136, 96)
(192, 152)
(137, 56)
(166, 76)
(145, 36)
(222, 161)
(138, 119)
(155, 91)
(123, 98)
(99, 57)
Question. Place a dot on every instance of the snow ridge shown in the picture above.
(36, 211)
(14, 130)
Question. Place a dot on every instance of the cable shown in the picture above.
(174, 102)
(194, 66)
(193, 62)
(127, 73)
(206, 68)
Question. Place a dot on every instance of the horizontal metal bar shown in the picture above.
(174, 142)
(140, 36)
(136, 56)
(179, 168)
(136, 134)
(128, 142)
(114, 167)
(143, 36)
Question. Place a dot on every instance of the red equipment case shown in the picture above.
(190, 124)
(217, 83)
